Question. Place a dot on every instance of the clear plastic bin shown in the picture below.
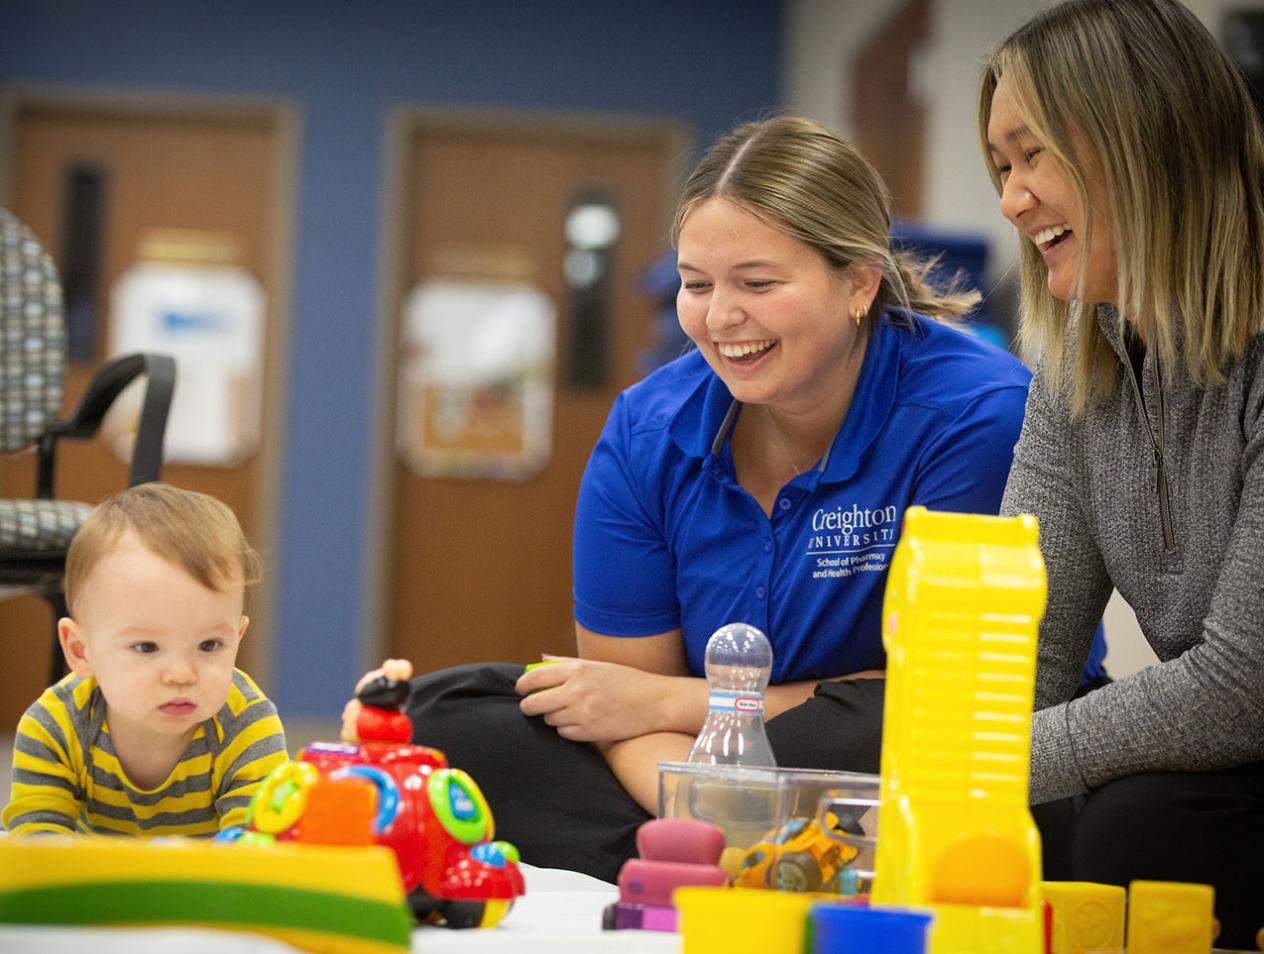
(789, 829)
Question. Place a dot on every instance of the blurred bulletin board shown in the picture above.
(188, 296)
(476, 379)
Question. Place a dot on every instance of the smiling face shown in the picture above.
(1039, 196)
(769, 314)
(161, 645)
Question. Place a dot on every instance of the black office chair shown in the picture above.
(35, 533)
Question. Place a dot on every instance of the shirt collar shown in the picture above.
(706, 417)
(871, 402)
(701, 418)
(1107, 319)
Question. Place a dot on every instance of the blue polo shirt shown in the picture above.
(665, 537)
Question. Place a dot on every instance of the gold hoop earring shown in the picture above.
(860, 313)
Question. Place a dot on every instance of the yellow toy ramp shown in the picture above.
(343, 900)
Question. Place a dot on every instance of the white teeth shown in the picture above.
(743, 349)
(1049, 234)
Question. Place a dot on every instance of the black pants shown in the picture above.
(558, 801)
(1200, 827)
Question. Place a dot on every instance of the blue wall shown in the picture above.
(347, 64)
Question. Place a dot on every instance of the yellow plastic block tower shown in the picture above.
(1086, 916)
(964, 599)
(1170, 918)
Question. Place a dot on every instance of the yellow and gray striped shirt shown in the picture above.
(67, 778)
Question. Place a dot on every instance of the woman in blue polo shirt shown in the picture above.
(762, 477)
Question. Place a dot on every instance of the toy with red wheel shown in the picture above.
(404, 797)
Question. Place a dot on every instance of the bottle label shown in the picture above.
(747, 703)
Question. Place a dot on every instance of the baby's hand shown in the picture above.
(350, 715)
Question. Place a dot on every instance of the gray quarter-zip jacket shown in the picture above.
(1157, 491)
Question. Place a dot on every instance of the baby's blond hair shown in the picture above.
(196, 532)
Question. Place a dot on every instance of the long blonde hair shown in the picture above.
(1139, 91)
(800, 178)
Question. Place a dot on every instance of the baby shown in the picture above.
(154, 732)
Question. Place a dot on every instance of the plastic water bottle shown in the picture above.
(739, 662)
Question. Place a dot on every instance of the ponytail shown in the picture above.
(909, 285)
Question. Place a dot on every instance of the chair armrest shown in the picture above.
(104, 388)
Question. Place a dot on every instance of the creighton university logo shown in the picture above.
(848, 540)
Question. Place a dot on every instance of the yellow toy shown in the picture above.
(724, 920)
(798, 856)
(1170, 918)
(1086, 916)
(344, 900)
(964, 598)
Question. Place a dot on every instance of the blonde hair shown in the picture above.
(194, 531)
(802, 179)
(1139, 92)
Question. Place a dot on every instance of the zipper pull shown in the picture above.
(1158, 468)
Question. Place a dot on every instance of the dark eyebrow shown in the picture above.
(1015, 134)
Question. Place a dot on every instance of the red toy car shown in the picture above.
(406, 798)
(381, 790)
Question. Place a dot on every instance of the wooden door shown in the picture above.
(218, 170)
(890, 117)
(481, 568)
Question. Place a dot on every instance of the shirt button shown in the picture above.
(784, 503)
(760, 591)
(768, 546)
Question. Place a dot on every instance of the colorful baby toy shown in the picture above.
(404, 797)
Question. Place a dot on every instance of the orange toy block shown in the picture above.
(339, 812)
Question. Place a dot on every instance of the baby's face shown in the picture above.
(161, 645)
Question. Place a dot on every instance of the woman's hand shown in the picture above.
(588, 700)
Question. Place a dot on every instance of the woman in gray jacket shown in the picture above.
(1126, 150)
